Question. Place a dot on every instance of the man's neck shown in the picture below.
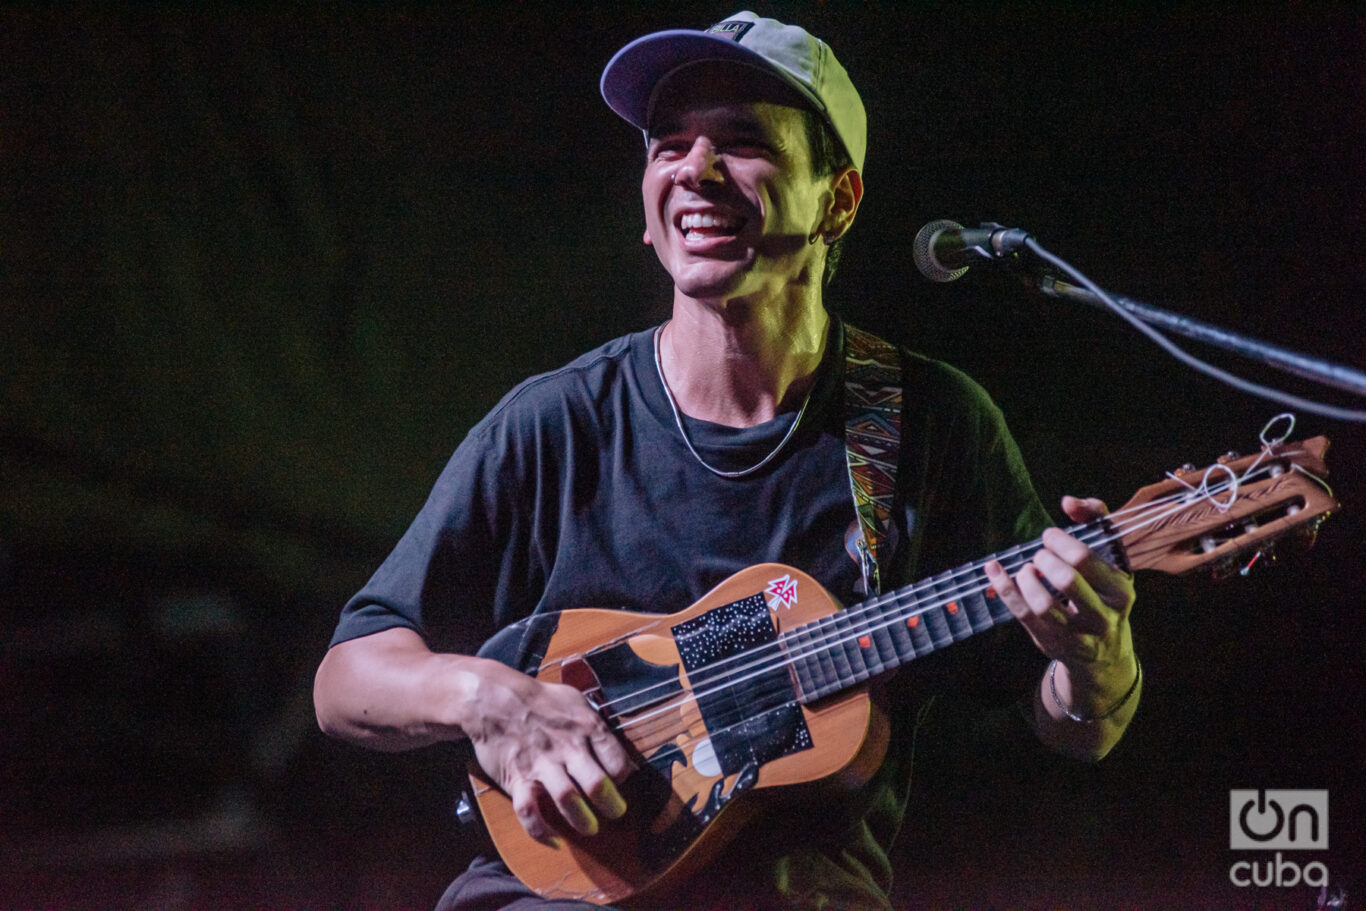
(742, 363)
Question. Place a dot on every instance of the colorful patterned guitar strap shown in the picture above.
(872, 441)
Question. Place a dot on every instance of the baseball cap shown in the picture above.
(804, 62)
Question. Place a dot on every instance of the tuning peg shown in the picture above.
(1265, 554)
(1227, 457)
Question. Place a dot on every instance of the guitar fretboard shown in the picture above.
(850, 646)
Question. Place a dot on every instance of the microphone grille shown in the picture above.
(923, 252)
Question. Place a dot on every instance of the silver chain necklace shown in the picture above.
(682, 431)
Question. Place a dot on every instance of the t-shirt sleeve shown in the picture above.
(456, 573)
(967, 488)
(967, 495)
(479, 553)
(438, 581)
(999, 497)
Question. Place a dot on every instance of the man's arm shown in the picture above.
(389, 691)
(1090, 689)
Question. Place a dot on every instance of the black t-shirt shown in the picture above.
(578, 490)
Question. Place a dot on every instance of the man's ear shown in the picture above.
(646, 238)
(846, 192)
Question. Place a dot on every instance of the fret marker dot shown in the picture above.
(864, 642)
(953, 607)
(913, 622)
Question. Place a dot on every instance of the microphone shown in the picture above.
(944, 249)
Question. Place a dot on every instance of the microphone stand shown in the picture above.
(1303, 365)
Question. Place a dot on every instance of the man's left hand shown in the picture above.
(1084, 619)
(1076, 607)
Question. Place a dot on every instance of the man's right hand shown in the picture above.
(542, 740)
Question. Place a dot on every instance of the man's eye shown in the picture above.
(667, 149)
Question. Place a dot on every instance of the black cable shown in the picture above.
(1190, 360)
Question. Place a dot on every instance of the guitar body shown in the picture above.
(700, 750)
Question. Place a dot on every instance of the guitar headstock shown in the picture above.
(1217, 516)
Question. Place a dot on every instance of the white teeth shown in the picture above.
(706, 220)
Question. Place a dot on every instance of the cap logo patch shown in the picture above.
(734, 29)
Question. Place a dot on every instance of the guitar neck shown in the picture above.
(875, 636)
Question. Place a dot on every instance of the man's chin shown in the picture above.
(709, 280)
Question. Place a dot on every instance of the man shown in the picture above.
(648, 471)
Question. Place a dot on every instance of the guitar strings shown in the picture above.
(1270, 444)
(1093, 532)
(1149, 512)
(726, 721)
(779, 687)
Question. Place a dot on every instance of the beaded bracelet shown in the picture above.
(1053, 688)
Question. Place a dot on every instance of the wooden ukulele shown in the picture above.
(762, 682)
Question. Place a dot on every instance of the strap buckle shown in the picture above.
(872, 581)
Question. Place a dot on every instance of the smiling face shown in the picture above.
(730, 197)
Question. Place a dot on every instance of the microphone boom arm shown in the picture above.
(944, 250)
(1284, 359)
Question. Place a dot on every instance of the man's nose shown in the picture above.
(701, 165)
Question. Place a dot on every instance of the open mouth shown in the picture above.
(705, 225)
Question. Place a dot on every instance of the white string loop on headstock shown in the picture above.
(1289, 419)
(1269, 444)
(1206, 491)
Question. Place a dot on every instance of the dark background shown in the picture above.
(260, 271)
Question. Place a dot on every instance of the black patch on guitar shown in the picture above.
(664, 847)
(741, 684)
(628, 682)
(647, 792)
